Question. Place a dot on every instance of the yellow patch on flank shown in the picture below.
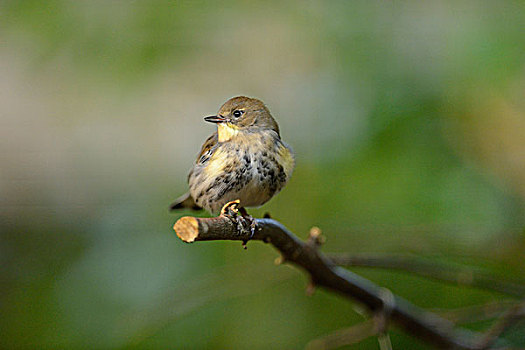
(286, 160)
(226, 131)
(216, 163)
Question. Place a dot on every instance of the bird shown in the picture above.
(244, 162)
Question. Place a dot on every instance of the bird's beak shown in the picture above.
(215, 119)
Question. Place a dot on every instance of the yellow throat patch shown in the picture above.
(226, 131)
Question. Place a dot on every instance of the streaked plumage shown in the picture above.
(244, 159)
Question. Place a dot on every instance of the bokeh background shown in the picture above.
(407, 118)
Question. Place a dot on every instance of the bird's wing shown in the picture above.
(207, 149)
(186, 200)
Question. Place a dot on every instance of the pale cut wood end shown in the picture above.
(187, 228)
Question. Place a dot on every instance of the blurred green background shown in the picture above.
(407, 119)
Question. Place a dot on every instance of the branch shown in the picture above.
(433, 270)
(342, 337)
(477, 313)
(323, 272)
(506, 321)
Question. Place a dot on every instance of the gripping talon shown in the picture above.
(253, 227)
(231, 208)
(240, 223)
(240, 218)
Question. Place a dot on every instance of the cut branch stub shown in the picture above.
(187, 228)
(190, 229)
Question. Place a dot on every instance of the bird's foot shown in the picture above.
(250, 219)
(252, 224)
(232, 211)
(240, 217)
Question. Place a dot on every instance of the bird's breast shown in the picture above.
(251, 168)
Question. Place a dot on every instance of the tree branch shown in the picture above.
(441, 272)
(506, 321)
(323, 272)
(342, 337)
(477, 313)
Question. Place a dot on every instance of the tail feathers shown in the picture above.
(184, 201)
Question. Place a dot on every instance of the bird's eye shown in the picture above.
(237, 113)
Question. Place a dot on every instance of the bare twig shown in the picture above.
(382, 317)
(434, 270)
(476, 313)
(506, 321)
(346, 336)
(384, 341)
(323, 272)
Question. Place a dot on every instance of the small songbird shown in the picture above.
(245, 160)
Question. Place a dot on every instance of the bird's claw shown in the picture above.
(253, 227)
(231, 209)
(240, 217)
(249, 219)
(252, 224)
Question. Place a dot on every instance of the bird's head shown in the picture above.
(242, 114)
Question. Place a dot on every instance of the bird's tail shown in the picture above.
(184, 201)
